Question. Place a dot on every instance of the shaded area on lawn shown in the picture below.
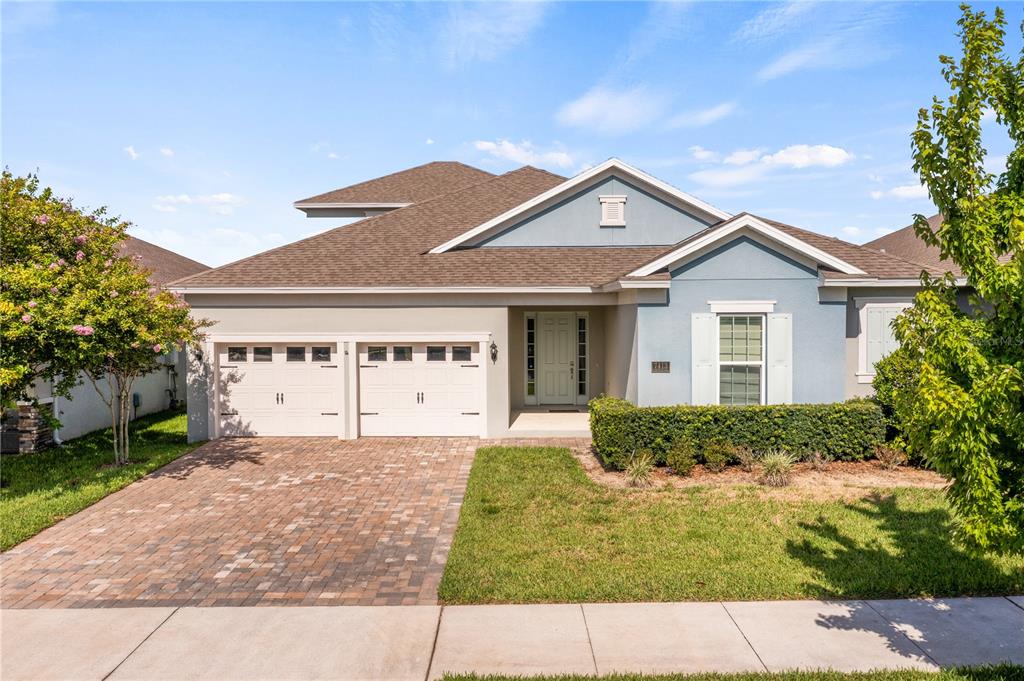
(994, 673)
(535, 528)
(37, 490)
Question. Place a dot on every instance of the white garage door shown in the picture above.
(279, 389)
(420, 389)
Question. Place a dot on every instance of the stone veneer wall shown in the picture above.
(31, 429)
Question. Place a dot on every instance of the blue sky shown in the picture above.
(201, 122)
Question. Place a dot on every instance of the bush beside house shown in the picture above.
(845, 431)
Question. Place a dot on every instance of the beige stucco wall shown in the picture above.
(621, 352)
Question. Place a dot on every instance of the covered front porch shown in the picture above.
(550, 422)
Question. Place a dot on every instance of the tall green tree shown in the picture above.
(961, 405)
(71, 304)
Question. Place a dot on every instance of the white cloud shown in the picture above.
(223, 203)
(903, 191)
(798, 59)
(173, 199)
(484, 31)
(702, 117)
(333, 156)
(613, 112)
(166, 151)
(742, 157)
(745, 166)
(702, 154)
(805, 156)
(851, 231)
(770, 23)
(164, 208)
(429, 141)
(524, 152)
(132, 154)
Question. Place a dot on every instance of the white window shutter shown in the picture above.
(703, 337)
(889, 342)
(779, 361)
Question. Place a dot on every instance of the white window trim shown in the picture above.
(718, 353)
(742, 306)
(608, 199)
(865, 373)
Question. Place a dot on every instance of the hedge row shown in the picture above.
(844, 430)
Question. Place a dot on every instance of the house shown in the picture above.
(84, 412)
(465, 302)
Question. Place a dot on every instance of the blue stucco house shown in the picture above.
(462, 302)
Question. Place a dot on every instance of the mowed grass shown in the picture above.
(37, 490)
(993, 673)
(535, 528)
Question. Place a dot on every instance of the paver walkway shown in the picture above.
(270, 521)
(417, 643)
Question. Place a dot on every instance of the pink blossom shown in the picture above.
(54, 290)
(114, 294)
(81, 239)
(26, 318)
(157, 347)
(62, 261)
(80, 256)
(54, 265)
(82, 330)
(32, 303)
(42, 219)
(152, 290)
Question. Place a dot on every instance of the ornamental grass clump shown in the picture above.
(777, 467)
(640, 470)
(745, 457)
(818, 461)
(891, 458)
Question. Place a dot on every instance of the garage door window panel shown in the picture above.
(237, 354)
(462, 353)
(437, 353)
(321, 354)
(296, 353)
(263, 354)
(402, 353)
(377, 353)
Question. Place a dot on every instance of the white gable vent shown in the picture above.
(613, 211)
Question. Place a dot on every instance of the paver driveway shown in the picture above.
(274, 521)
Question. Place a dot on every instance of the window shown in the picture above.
(263, 354)
(437, 353)
(236, 354)
(296, 354)
(531, 356)
(321, 354)
(401, 353)
(740, 359)
(613, 211)
(461, 353)
(877, 338)
(581, 356)
(377, 353)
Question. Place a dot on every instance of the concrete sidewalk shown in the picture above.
(423, 642)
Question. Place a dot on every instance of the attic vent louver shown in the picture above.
(613, 211)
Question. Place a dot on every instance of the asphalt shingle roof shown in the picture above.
(164, 265)
(407, 186)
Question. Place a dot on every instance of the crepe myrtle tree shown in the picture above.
(72, 304)
(960, 397)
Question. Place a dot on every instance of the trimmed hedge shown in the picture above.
(844, 430)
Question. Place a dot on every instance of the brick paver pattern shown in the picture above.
(272, 521)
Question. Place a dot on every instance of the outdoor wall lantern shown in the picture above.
(494, 351)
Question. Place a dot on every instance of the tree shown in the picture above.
(963, 410)
(71, 303)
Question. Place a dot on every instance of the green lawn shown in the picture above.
(996, 673)
(535, 528)
(37, 490)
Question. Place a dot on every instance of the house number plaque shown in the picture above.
(659, 367)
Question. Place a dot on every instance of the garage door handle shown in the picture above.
(470, 366)
(368, 413)
(328, 366)
(328, 413)
(367, 366)
(471, 413)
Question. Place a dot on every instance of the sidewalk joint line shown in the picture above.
(590, 641)
(132, 652)
(744, 635)
(433, 647)
(1014, 603)
(905, 635)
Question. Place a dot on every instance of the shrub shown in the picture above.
(640, 469)
(745, 457)
(681, 458)
(891, 458)
(777, 467)
(717, 455)
(818, 461)
(896, 371)
(845, 430)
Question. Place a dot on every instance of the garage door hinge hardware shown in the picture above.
(328, 366)
(471, 413)
(229, 366)
(367, 366)
(328, 413)
(229, 413)
(368, 413)
(470, 366)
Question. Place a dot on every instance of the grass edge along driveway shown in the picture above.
(534, 528)
(41, 489)
(993, 673)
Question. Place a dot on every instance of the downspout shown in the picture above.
(55, 408)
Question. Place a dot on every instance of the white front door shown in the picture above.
(556, 358)
(279, 389)
(420, 389)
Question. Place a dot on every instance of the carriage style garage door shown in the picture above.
(420, 389)
(279, 389)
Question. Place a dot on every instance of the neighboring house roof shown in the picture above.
(406, 186)
(164, 265)
(905, 244)
(398, 250)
